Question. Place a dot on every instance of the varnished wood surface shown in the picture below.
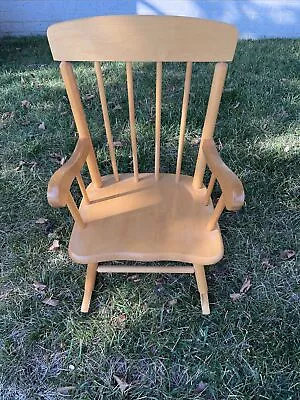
(61, 181)
(142, 38)
(147, 220)
(232, 187)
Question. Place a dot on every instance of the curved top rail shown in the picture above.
(142, 38)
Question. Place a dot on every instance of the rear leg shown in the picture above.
(202, 287)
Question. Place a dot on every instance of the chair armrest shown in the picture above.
(61, 181)
(232, 187)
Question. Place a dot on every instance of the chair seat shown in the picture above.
(147, 220)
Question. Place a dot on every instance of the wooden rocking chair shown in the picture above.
(141, 216)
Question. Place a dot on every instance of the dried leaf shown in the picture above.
(201, 387)
(55, 245)
(42, 126)
(266, 264)
(50, 302)
(41, 220)
(121, 318)
(65, 390)
(287, 254)
(172, 302)
(123, 385)
(39, 286)
(195, 141)
(245, 286)
(25, 103)
(117, 107)
(220, 145)
(58, 158)
(7, 115)
(134, 278)
(235, 296)
(118, 143)
(89, 96)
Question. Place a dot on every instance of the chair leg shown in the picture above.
(90, 279)
(202, 287)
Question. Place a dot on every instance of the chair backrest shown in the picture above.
(144, 38)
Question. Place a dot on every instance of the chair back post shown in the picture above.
(158, 87)
(130, 91)
(210, 119)
(184, 110)
(80, 119)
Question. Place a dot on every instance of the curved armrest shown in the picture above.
(61, 181)
(232, 187)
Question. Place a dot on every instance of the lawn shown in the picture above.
(148, 330)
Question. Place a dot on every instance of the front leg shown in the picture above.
(202, 287)
(90, 279)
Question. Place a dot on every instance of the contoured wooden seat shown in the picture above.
(145, 216)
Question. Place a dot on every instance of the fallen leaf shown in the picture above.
(58, 158)
(117, 107)
(42, 126)
(195, 141)
(50, 302)
(41, 220)
(134, 278)
(287, 254)
(220, 145)
(7, 115)
(118, 143)
(39, 286)
(244, 289)
(172, 302)
(121, 318)
(89, 96)
(245, 286)
(25, 103)
(65, 390)
(123, 385)
(55, 245)
(266, 264)
(201, 387)
(235, 296)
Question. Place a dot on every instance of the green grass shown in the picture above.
(249, 349)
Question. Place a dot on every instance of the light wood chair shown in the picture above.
(145, 216)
